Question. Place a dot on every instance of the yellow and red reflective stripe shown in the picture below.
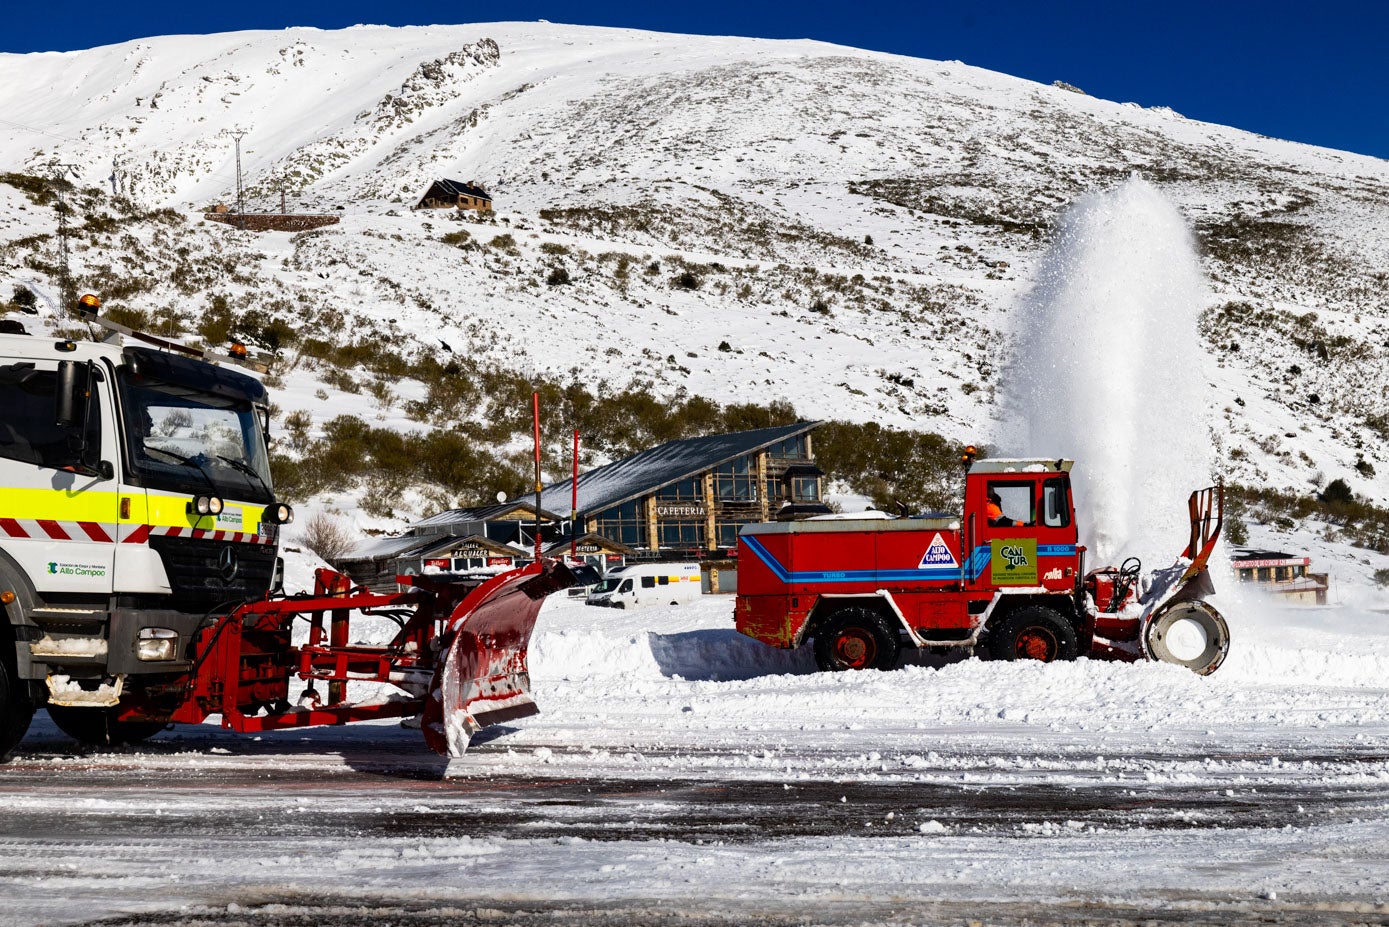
(29, 514)
(142, 534)
(48, 529)
(44, 529)
(59, 505)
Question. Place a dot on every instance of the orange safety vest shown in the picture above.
(992, 512)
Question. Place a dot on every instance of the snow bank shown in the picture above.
(646, 680)
(694, 642)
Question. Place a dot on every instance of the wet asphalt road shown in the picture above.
(357, 805)
(379, 794)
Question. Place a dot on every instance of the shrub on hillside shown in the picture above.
(24, 298)
(327, 536)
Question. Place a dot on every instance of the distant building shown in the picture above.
(455, 194)
(458, 540)
(1281, 574)
(688, 499)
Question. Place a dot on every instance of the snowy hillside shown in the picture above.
(741, 219)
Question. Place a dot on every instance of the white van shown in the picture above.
(638, 585)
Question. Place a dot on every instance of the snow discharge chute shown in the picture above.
(1178, 625)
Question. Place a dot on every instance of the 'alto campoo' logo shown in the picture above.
(53, 568)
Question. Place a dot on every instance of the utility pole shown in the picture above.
(65, 284)
(240, 201)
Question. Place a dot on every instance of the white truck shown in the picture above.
(644, 584)
(135, 506)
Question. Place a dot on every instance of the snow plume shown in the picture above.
(1108, 371)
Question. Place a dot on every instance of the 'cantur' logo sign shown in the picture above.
(1014, 561)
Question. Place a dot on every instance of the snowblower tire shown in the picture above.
(855, 639)
(1034, 632)
(98, 727)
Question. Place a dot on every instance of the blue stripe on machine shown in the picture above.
(974, 567)
(846, 576)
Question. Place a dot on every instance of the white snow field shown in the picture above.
(764, 165)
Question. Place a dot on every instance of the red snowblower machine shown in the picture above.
(1005, 579)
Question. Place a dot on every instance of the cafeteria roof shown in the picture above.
(633, 477)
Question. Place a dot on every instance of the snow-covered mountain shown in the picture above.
(741, 219)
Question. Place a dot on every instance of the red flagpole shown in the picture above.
(574, 505)
(535, 414)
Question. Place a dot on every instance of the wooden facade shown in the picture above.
(1284, 575)
(699, 513)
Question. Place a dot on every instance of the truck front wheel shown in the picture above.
(856, 638)
(98, 727)
(16, 709)
(1033, 633)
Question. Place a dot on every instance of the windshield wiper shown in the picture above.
(247, 469)
(176, 458)
(182, 461)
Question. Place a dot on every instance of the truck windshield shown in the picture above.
(608, 584)
(188, 440)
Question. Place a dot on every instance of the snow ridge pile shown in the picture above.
(1109, 369)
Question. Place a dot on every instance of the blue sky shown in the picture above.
(1311, 72)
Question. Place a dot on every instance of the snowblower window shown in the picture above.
(1055, 512)
(1016, 502)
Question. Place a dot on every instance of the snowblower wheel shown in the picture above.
(98, 727)
(1033, 633)
(856, 638)
(1191, 634)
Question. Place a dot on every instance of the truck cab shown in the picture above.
(1032, 541)
(135, 506)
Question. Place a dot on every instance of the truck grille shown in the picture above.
(197, 571)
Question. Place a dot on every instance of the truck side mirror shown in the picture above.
(72, 409)
(74, 388)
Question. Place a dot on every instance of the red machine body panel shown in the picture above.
(938, 574)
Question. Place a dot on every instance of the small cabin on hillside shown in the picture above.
(455, 194)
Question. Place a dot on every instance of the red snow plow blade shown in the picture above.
(481, 677)
(458, 659)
